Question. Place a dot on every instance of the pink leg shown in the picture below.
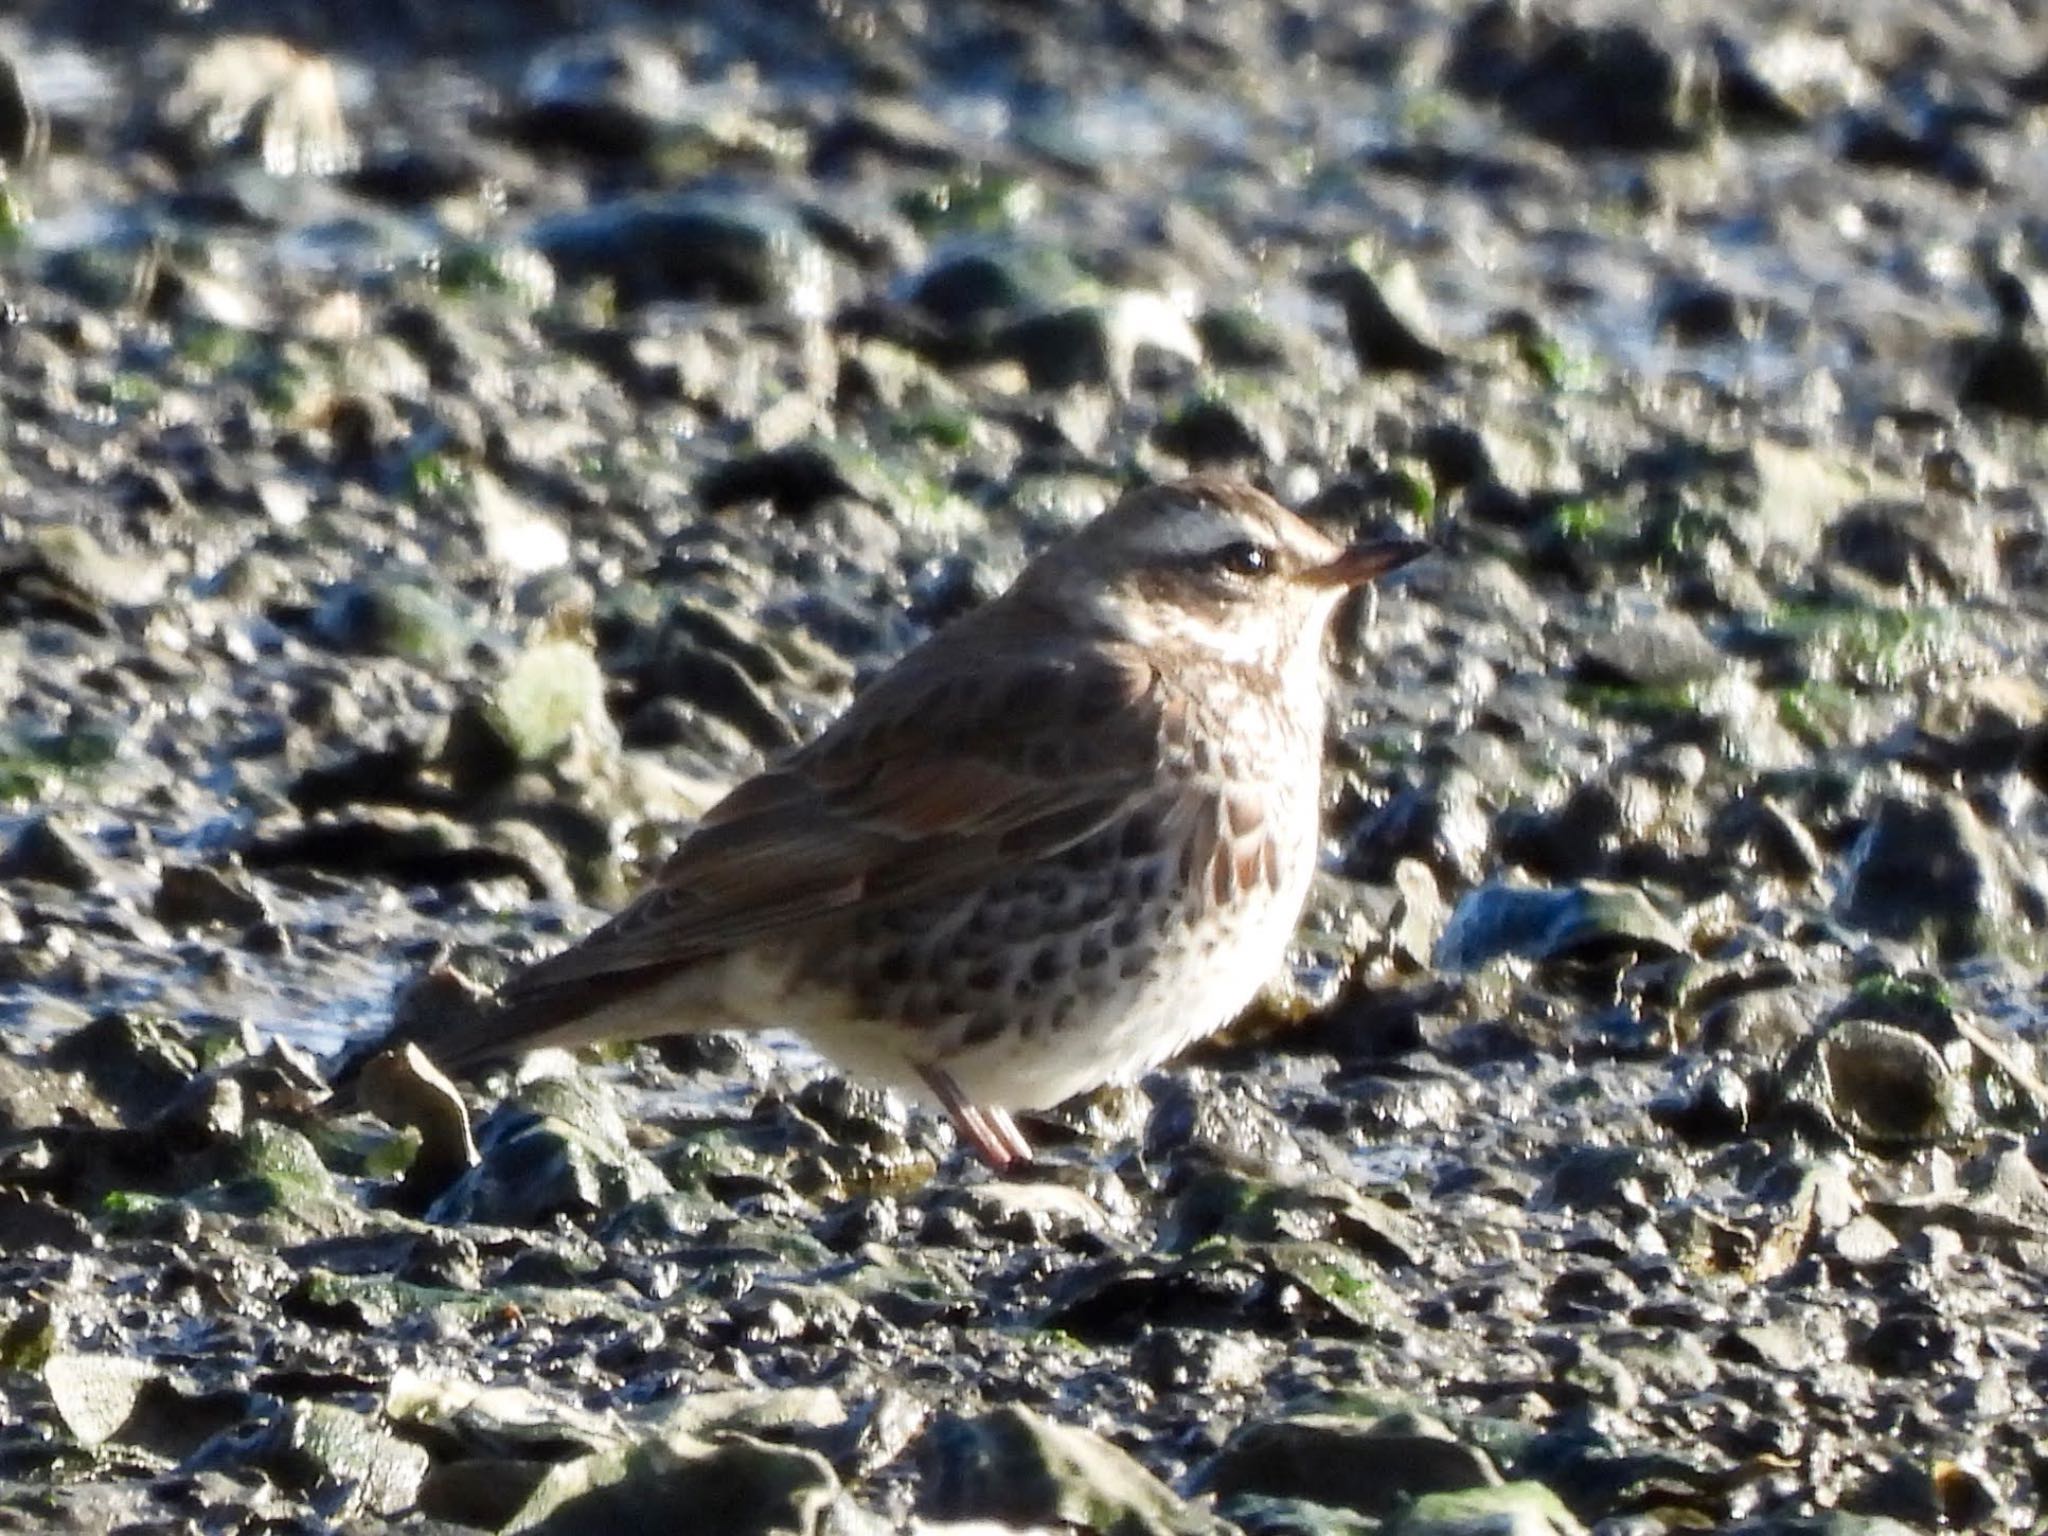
(1006, 1131)
(991, 1132)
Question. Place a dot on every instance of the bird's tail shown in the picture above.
(464, 1031)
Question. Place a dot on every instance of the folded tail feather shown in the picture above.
(523, 1017)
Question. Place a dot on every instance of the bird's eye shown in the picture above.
(1243, 558)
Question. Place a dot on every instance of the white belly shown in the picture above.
(1196, 981)
(1195, 984)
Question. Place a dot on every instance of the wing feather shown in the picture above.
(923, 786)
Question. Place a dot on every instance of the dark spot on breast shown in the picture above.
(1044, 886)
(895, 967)
(985, 978)
(1093, 953)
(1046, 966)
(982, 1028)
(1022, 922)
(1123, 933)
(1252, 865)
(1223, 877)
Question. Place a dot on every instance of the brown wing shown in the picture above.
(928, 782)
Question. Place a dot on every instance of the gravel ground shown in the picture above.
(443, 446)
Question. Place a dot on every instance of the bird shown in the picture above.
(1064, 838)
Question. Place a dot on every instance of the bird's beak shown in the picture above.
(1366, 562)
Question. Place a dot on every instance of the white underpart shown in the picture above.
(1187, 994)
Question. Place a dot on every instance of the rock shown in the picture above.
(732, 1483)
(410, 620)
(1791, 493)
(723, 662)
(1626, 1180)
(1592, 922)
(1787, 78)
(1925, 145)
(1986, 725)
(49, 851)
(1514, 1509)
(1756, 830)
(1195, 1116)
(1416, 923)
(974, 285)
(1385, 318)
(1699, 313)
(1014, 1468)
(1927, 870)
(516, 538)
(691, 246)
(1241, 339)
(95, 1394)
(1195, 1360)
(1208, 431)
(1583, 86)
(1912, 546)
(410, 848)
(494, 1422)
(200, 896)
(71, 558)
(174, 1420)
(1222, 1203)
(24, 124)
(551, 698)
(2005, 372)
(276, 1171)
(1707, 1103)
(29, 1223)
(1257, 1515)
(346, 1461)
(558, 1145)
(403, 1088)
(1881, 1085)
(137, 1061)
(1373, 1467)
(1656, 650)
(1444, 825)
(1912, 1338)
(262, 96)
(609, 95)
(1278, 1288)
(899, 132)
(794, 479)
(1060, 349)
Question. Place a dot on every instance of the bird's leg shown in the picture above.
(991, 1132)
(1006, 1132)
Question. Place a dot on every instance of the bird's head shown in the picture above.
(1211, 565)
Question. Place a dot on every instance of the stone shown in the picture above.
(1373, 1467)
(1014, 1467)
(1926, 870)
